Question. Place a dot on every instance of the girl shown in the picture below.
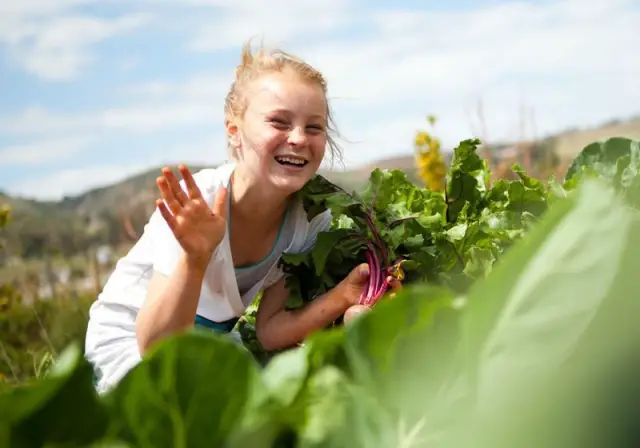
(216, 237)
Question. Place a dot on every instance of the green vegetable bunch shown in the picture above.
(448, 238)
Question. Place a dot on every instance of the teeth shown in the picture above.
(289, 159)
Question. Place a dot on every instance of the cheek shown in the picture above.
(274, 139)
(263, 140)
(319, 145)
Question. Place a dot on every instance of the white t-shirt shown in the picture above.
(111, 344)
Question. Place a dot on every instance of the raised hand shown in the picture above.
(197, 227)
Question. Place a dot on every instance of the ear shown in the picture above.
(231, 128)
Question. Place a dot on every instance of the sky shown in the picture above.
(92, 92)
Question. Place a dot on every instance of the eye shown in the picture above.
(279, 123)
(315, 128)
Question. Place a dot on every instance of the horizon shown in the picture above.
(96, 93)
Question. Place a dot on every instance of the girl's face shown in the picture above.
(283, 134)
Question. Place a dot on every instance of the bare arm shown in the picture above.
(277, 328)
(171, 304)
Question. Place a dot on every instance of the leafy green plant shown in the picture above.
(614, 160)
(32, 334)
(398, 228)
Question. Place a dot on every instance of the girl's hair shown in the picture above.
(252, 66)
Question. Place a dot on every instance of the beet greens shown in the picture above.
(399, 228)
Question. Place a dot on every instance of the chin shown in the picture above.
(289, 179)
(290, 185)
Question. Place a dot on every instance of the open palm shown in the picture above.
(197, 227)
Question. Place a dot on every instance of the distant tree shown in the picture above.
(9, 295)
(4, 221)
(545, 158)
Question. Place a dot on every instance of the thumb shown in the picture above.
(359, 274)
(220, 203)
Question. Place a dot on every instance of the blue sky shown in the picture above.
(94, 91)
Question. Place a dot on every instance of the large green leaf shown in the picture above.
(326, 401)
(285, 375)
(325, 243)
(528, 317)
(616, 159)
(593, 399)
(466, 179)
(301, 387)
(327, 348)
(401, 360)
(191, 390)
(348, 415)
(61, 409)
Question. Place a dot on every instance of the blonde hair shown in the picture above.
(252, 66)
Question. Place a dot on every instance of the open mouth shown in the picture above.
(291, 161)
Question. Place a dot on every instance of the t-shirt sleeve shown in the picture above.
(165, 249)
(319, 223)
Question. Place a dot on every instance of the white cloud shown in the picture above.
(210, 151)
(38, 7)
(208, 86)
(137, 119)
(279, 23)
(43, 152)
(146, 119)
(38, 120)
(48, 39)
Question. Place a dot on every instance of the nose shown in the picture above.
(297, 137)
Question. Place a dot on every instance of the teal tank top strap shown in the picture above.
(219, 327)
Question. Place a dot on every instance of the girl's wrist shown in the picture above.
(195, 266)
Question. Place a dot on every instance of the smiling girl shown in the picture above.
(216, 237)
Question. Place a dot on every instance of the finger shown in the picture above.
(166, 214)
(168, 196)
(174, 186)
(190, 183)
(395, 284)
(362, 271)
(358, 275)
(220, 203)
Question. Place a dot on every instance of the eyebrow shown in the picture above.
(288, 112)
